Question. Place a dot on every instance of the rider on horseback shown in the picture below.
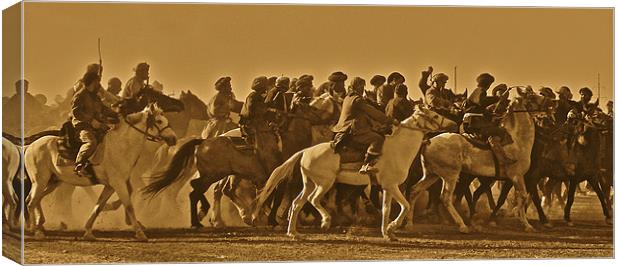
(219, 109)
(254, 110)
(481, 119)
(437, 96)
(135, 84)
(354, 123)
(386, 92)
(89, 117)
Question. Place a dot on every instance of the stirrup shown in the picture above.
(82, 169)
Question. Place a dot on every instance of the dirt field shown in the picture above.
(590, 237)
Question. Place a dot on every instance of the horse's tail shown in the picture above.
(175, 170)
(281, 173)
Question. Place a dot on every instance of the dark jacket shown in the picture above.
(86, 106)
(562, 110)
(356, 116)
(254, 111)
(399, 108)
(439, 98)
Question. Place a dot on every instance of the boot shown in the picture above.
(369, 163)
(497, 148)
(82, 167)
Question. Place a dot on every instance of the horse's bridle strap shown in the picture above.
(149, 136)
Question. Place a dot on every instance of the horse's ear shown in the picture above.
(596, 103)
(465, 93)
(189, 92)
(520, 92)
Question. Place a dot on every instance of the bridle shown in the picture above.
(149, 136)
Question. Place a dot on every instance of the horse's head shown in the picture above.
(154, 122)
(426, 119)
(531, 103)
(196, 107)
(168, 104)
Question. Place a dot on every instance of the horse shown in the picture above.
(216, 159)
(464, 157)
(180, 112)
(320, 168)
(585, 146)
(11, 158)
(119, 151)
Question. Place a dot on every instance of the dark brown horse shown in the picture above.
(216, 159)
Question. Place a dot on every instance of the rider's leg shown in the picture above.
(87, 136)
(375, 144)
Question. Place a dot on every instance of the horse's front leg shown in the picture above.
(572, 187)
(99, 207)
(199, 187)
(404, 209)
(593, 181)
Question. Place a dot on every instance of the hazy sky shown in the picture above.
(190, 45)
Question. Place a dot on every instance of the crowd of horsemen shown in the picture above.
(365, 115)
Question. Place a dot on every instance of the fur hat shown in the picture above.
(304, 80)
(547, 92)
(283, 82)
(260, 83)
(485, 78)
(395, 75)
(337, 77)
(142, 66)
(439, 77)
(377, 80)
(221, 82)
(585, 90)
(499, 89)
(565, 91)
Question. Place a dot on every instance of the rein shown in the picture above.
(149, 136)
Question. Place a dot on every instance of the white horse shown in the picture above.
(320, 169)
(10, 167)
(449, 154)
(121, 148)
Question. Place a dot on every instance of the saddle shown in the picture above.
(352, 154)
(69, 143)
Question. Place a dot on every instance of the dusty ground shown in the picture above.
(590, 237)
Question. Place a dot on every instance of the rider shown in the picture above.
(371, 95)
(399, 108)
(254, 110)
(437, 96)
(486, 124)
(335, 82)
(277, 103)
(386, 92)
(89, 116)
(354, 123)
(136, 83)
(565, 105)
(219, 108)
(584, 103)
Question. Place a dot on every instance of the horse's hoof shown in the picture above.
(88, 235)
(391, 227)
(39, 234)
(217, 224)
(492, 223)
(609, 221)
(570, 224)
(294, 236)
(477, 228)
(464, 230)
(409, 227)
(325, 225)
(63, 226)
(141, 226)
(530, 229)
(247, 219)
(548, 225)
(197, 226)
(140, 236)
(390, 237)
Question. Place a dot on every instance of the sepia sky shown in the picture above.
(190, 45)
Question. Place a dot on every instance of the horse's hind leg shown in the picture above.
(506, 186)
(593, 181)
(522, 197)
(424, 184)
(447, 199)
(99, 206)
(296, 206)
(124, 194)
(572, 187)
(315, 200)
(199, 186)
(216, 218)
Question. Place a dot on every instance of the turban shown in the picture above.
(585, 90)
(485, 78)
(304, 80)
(499, 89)
(439, 77)
(283, 82)
(142, 66)
(547, 92)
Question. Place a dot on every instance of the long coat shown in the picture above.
(356, 116)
